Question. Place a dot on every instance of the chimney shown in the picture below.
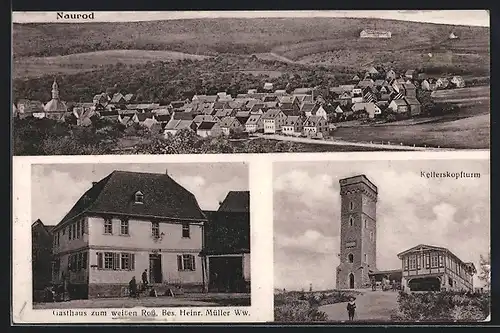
(166, 172)
(93, 184)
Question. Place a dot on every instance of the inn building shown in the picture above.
(125, 224)
(423, 267)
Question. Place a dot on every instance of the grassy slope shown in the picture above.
(311, 39)
(74, 63)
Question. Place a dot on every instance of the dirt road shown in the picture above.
(370, 306)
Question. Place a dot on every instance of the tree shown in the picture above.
(485, 270)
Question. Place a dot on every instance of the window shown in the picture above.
(434, 260)
(366, 224)
(405, 261)
(350, 257)
(108, 226)
(70, 235)
(427, 260)
(351, 205)
(99, 260)
(186, 262)
(139, 197)
(64, 231)
(419, 262)
(185, 230)
(125, 261)
(108, 260)
(366, 258)
(441, 261)
(84, 260)
(155, 229)
(124, 227)
(74, 230)
(351, 221)
(371, 235)
(78, 229)
(413, 262)
(82, 227)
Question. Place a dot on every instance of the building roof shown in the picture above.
(412, 101)
(207, 125)
(226, 233)
(227, 121)
(55, 105)
(300, 91)
(145, 115)
(178, 124)
(271, 114)
(253, 119)
(236, 201)
(293, 120)
(204, 117)
(313, 120)
(309, 107)
(164, 198)
(117, 98)
(425, 247)
(399, 102)
(358, 179)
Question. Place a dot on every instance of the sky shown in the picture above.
(57, 187)
(411, 210)
(454, 17)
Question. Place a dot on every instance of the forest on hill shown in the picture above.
(164, 82)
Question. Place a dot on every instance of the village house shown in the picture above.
(209, 129)
(224, 113)
(293, 125)
(268, 86)
(254, 123)
(125, 224)
(83, 115)
(411, 74)
(371, 109)
(366, 83)
(205, 98)
(399, 106)
(442, 83)
(55, 108)
(313, 109)
(315, 126)
(458, 81)
(226, 250)
(369, 33)
(414, 106)
(139, 118)
(357, 95)
(390, 75)
(41, 258)
(272, 121)
(175, 125)
(205, 118)
(230, 124)
(118, 100)
(452, 35)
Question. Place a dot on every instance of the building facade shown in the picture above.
(41, 254)
(124, 225)
(358, 241)
(427, 267)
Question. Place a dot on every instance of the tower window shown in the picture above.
(350, 257)
(351, 221)
(351, 205)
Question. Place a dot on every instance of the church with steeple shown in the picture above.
(55, 108)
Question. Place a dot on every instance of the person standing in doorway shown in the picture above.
(351, 308)
(145, 279)
(132, 286)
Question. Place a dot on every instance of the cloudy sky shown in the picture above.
(461, 17)
(57, 187)
(411, 210)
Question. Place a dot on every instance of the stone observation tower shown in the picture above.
(358, 237)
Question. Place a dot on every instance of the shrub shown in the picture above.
(298, 311)
(442, 306)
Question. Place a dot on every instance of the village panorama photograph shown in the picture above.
(382, 241)
(140, 235)
(250, 82)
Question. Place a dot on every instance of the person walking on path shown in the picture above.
(351, 308)
(132, 286)
(145, 279)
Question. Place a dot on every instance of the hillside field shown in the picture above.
(81, 62)
(324, 41)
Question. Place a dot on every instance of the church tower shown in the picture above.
(55, 90)
(358, 237)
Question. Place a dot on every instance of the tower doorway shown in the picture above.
(351, 281)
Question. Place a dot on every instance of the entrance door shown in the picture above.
(226, 274)
(351, 281)
(155, 274)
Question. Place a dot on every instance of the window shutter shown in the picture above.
(116, 261)
(132, 261)
(99, 260)
(193, 260)
(84, 260)
(179, 262)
